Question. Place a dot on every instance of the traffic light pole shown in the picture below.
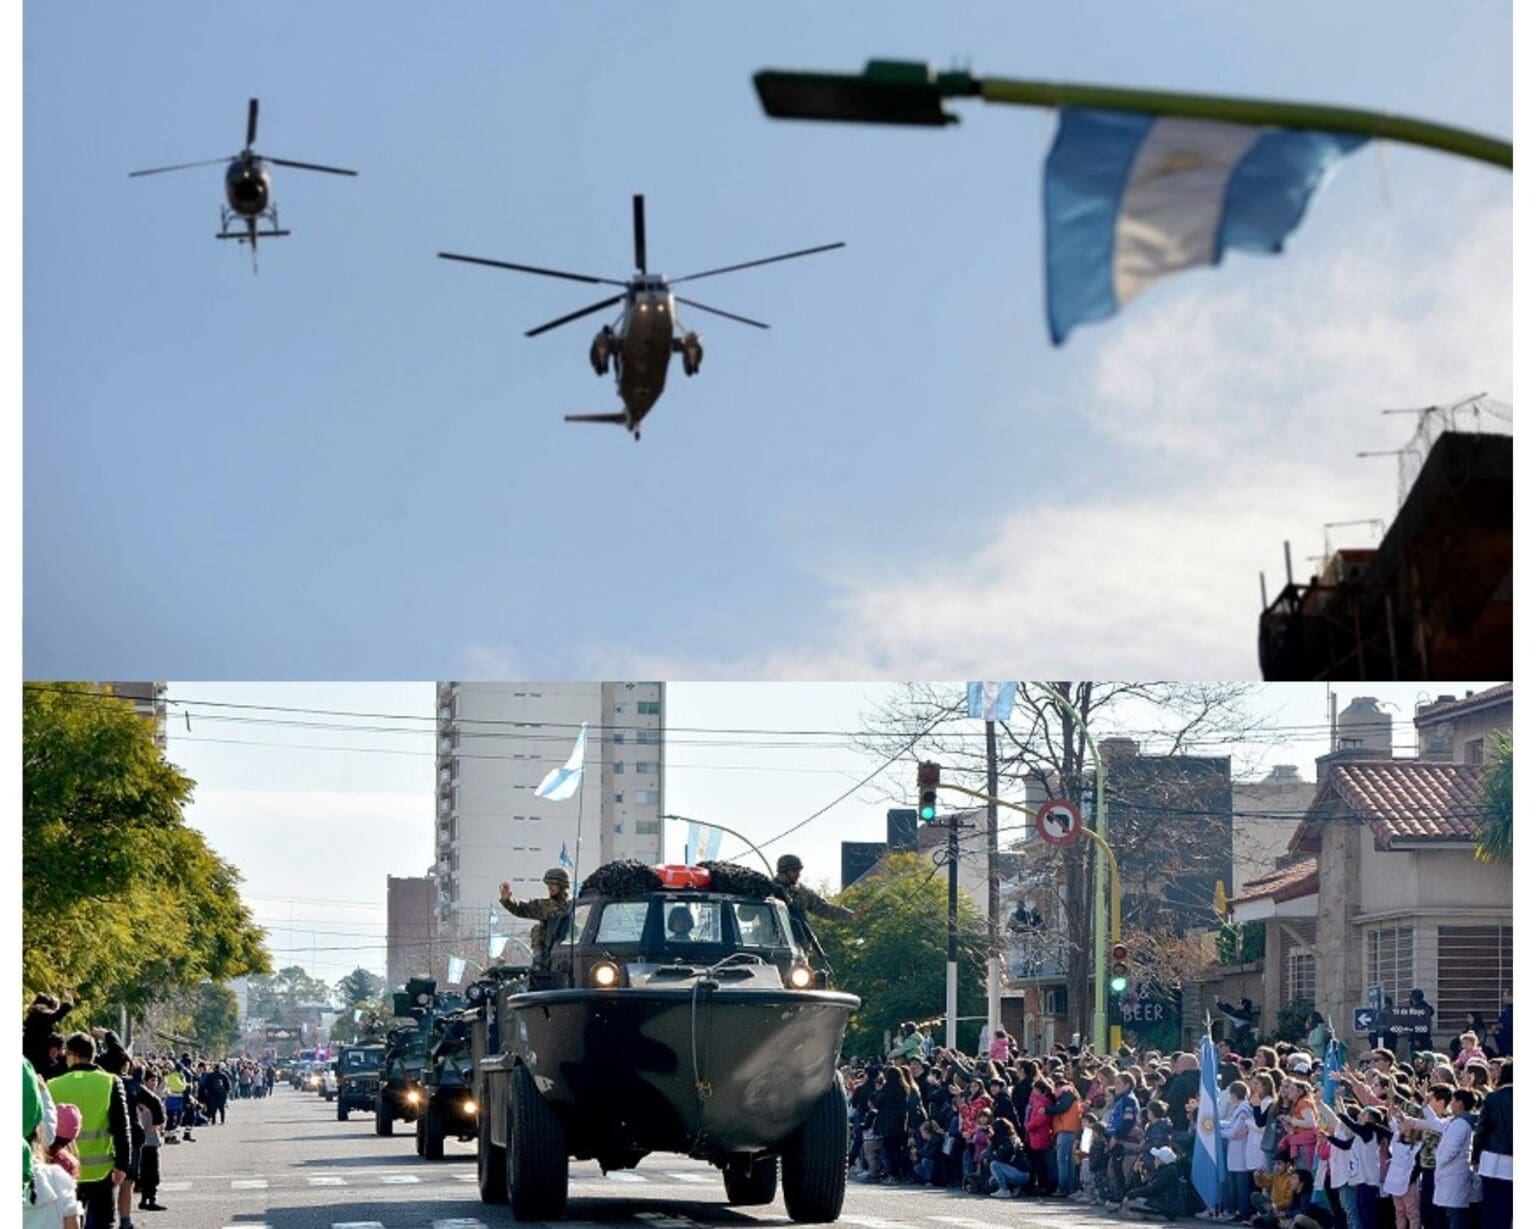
(952, 971)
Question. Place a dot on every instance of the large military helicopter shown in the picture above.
(247, 188)
(641, 342)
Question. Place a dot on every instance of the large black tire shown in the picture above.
(749, 1183)
(490, 1165)
(816, 1162)
(432, 1132)
(418, 1134)
(383, 1120)
(538, 1169)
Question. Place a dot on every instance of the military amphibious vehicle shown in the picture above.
(675, 1011)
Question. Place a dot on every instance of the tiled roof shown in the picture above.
(1454, 708)
(1402, 800)
(1287, 883)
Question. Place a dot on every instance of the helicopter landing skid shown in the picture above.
(245, 233)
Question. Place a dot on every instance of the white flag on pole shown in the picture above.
(563, 782)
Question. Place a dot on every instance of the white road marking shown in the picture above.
(326, 1181)
(874, 1222)
(175, 1186)
(398, 1179)
(466, 1177)
(461, 1223)
(357, 1224)
(623, 1175)
(248, 1184)
(693, 1178)
(969, 1222)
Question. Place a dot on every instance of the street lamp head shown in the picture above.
(887, 92)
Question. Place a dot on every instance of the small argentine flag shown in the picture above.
(990, 701)
(563, 782)
(1208, 1160)
(495, 945)
(565, 858)
(456, 966)
(1131, 198)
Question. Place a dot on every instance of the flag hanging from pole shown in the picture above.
(456, 967)
(1208, 1160)
(1131, 198)
(496, 944)
(710, 848)
(563, 782)
(691, 845)
(1333, 1066)
(990, 701)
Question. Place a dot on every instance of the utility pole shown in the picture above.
(952, 973)
(994, 942)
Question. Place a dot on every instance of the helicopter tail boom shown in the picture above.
(620, 419)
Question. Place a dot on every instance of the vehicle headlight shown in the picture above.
(605, 975)
(412, 1097)
(800, 977)
(471, 1108)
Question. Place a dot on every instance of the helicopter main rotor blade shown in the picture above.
(180, 166)
(640, 232)
(751, 264)
(250, 125)
(576, 315)
(506, 264)
(705, 307)
(307, 166)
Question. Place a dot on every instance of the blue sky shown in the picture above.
(354, 465)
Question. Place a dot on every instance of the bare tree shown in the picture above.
(1170, 818)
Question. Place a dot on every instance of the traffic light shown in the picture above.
(1119, 968)
(927, 791)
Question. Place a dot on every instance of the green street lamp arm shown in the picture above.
(1258, 111)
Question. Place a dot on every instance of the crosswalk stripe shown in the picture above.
(357, 1224)
(398, 1179)
(622, 1175)
(874, 1222)
(248, 1184)
(692, 1178)
(175, 1186)
(968, 1222)
(460, 1223)
(326, 1181)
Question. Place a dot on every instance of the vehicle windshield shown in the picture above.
(692, 921)
(757, 924)
(360, 1060)
(623, 921)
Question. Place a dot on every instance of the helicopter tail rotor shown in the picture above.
(640, 232)
(250, 125)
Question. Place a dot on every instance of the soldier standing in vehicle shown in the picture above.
(803, 900)
(543, 912)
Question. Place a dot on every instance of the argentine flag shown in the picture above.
(990, 701)
(1209, 1158)
(456, 967)
(563, 782)
(1131, 198)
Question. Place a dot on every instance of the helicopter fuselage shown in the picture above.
(644, 336)
(248, 187)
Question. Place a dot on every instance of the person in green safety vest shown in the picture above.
(104, 1140)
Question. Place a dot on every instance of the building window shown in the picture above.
(1301, 976)
(646, 766)
(647, 827)
(618, 768)
(1474, 751)
(618, 829)
(647, 797)
(648, 708)
(619, 709)
(1475, 966)
(648, 738)
(618, 797)
(1389, 961)
(618, 738)
(1053, 1001)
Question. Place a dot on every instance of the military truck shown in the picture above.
(357, 1078)
(402, 1093)
(675, 1011)
(447, 1079)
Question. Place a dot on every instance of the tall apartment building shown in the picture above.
(496, 742)
(148, 701)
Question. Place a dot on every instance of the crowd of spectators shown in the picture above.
(1424, 1142)
(84, 1164)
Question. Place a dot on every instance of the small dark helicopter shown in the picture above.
(247, 188)
(641, 343)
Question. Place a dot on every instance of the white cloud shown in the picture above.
(1240, 406)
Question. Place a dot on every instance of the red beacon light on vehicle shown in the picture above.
(683, 876)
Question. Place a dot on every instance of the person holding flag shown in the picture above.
(1208, 1162)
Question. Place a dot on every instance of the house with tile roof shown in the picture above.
(1382, 888)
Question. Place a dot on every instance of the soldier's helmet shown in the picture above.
(557, 874)
(788, 862)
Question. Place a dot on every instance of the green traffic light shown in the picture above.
(927, 813)
(1118, 984)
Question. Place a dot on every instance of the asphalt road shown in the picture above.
(284, 1162)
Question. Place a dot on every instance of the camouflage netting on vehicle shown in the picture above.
(626, 878)
(740, 880)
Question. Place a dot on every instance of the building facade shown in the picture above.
(1459, 731)
(411, 928)
(496, 742)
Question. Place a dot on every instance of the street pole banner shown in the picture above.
(1131, 198)
(562, 783)
(990, 701)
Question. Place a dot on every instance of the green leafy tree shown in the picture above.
(359, 987)
(215, 1023)
(122, 902)
(1496, 836)
(894, 956)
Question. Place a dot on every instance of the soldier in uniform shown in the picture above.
(803, 900)
(543, 912)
